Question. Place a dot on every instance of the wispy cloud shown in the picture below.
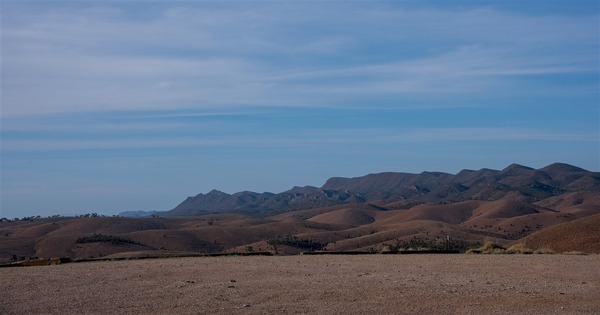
(291, 139)
(210, 56)
(494, 134)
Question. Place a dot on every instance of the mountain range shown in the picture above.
(515, 182)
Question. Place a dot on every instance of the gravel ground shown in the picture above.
(368, 284)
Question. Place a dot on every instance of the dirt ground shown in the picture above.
(368, 284)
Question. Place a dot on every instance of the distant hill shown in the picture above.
(515, 182)
(138, 214)
(263, 204)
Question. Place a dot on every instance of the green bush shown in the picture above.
(99, 238)
(294, 241)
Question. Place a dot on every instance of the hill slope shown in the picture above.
(578, 235)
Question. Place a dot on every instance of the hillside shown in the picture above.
(581, 235)
(375, 212)
(336, 228)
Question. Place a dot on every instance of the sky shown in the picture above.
(110, 106)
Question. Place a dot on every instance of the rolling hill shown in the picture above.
(581, 235)
(555, 207)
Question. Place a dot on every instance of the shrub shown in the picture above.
(488, 248)
(544, 251)
(519, 249)
(434, 245)
(294, 241)
(99, 238)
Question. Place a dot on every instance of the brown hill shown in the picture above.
(348, 216)
(570, 200)
(578, 235)
(341, 227)
(373, 212)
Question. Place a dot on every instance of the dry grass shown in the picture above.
(488, 248)
(544, 251)
(493, 248)
(519, 249)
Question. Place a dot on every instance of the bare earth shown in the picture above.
(369, 284)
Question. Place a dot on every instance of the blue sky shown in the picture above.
(110, 106)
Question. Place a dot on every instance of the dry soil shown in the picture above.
(369, 284)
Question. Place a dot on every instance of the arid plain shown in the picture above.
(302, 284)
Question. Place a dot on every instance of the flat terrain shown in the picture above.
(365, 284)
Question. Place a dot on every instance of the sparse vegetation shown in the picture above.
(294, 241)
(430, 245)
(99, 238)
(518, 249)
(493, 248)
(544, 251)
(488, 248)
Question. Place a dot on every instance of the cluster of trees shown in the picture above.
(31, 218)
(434, 245)
(90, 215)
(294, 241)
(99, 238)
(38, 217)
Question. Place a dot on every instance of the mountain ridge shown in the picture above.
(516, 182)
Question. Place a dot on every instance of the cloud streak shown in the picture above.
(210, 56)
(290, 140)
